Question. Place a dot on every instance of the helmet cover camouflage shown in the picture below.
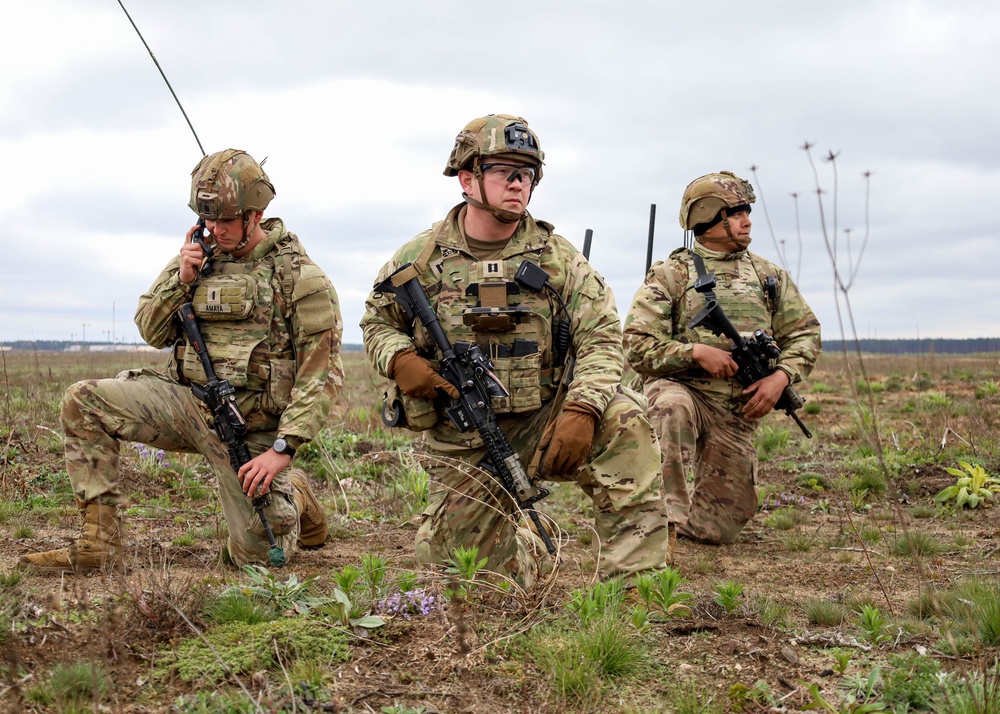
(226, 184)
(708, 195)
(495, 135)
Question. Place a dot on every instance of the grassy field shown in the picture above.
(852, 590)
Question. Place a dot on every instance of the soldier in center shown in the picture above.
(591, 431)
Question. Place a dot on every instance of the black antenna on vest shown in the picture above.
(164, 77)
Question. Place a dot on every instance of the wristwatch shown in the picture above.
(283, 447)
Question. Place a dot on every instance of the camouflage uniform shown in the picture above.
(468, 508)
(697, 416)
(271, 323)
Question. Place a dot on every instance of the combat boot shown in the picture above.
(671, 542)
(312, 519)
(98, 547)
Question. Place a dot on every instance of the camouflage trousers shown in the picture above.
(696, 432)
(466, 507)
(144, 406)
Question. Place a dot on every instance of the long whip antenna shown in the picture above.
(172, 92)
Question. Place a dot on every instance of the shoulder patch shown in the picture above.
(311, 279)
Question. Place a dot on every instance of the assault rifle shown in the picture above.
(230, 424)
(755, 357)
(470, 372)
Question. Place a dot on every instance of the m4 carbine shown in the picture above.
(471, 374)
(230, 424)
(755, 357)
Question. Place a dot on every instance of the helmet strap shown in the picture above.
(246, 232)
(500, 214)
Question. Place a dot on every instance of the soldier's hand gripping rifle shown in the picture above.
(230, 424)
(755, 357)
(471, 374)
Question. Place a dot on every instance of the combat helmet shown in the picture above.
(226, 184)
(495, 136)
(710, 195)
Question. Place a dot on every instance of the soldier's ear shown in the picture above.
(469, 184)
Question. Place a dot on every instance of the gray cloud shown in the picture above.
(358, 104)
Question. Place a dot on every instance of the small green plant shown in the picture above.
(407, 581)
(373, 570)
(872, 625)
(821, 506)
(910, 682)
(770, 439)
(728, 595)
(935, 401)
(922, 381)
(870, 535)
(466, 564)
(772, 611)
(414, 483)
(987, 389)
(862, 692)
(346, 578)
(659, 591)
(238, 606)
(292, 595)
(842, 657)
(614, 647)
(783, 519)
(825, 613)
(974, 486)
(10, 578)
(812, 481)
(812, 408)
(342, 610)
(744, 698)
(893, 383)
(799, 542)
(602, 598)
(916, 543)
(77, 682)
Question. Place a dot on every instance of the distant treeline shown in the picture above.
(921, 346)
(903, 346)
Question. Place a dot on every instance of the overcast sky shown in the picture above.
(356, 105)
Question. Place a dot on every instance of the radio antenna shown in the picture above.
(164, 77)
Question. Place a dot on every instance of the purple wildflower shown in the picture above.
(405, 605)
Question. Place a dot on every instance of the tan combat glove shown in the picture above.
(569, 438)
(417, 377)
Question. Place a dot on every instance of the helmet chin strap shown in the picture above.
(502, 215)
(741, 243)
(246, 232)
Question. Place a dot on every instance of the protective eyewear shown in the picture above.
(510, 172)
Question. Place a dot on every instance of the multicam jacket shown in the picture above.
(480, 301)
(658, 342)
(272, 327)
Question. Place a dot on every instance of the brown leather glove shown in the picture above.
(569, 438)
(417, 377)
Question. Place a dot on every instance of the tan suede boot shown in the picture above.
(99, 544)
(671, 542)
(312, 519)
